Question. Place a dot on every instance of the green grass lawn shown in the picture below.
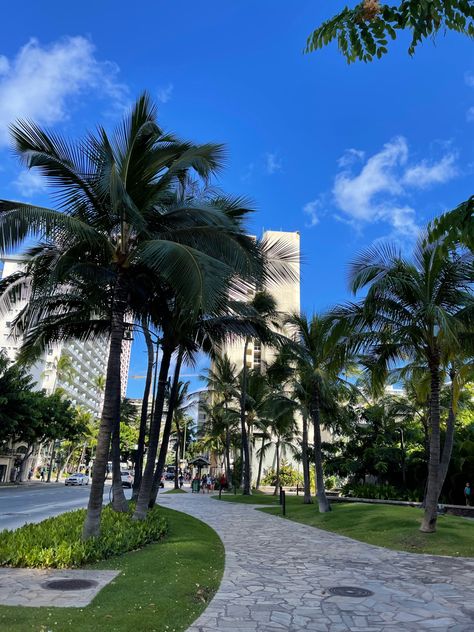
(391, 526)
(162, 588)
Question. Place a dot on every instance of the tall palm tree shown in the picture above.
(222, 383)
(118, 225)
(415, 310)
(320, 356)
(261, 308)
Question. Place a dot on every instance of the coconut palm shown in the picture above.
(261, 308)
(120, 225)
(417, 310)
(320, 356)
(222, 384)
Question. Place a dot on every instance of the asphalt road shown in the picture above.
(33, 502)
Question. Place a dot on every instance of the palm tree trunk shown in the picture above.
(176, 458)
(166, 431)
(323, 502)
(227, 455)
(110, 414)
(260, 463)
(428, 524)
(243, 428)
(304, 457)
(155, 427)
(448, 440)
(137, 479)
(119, 502)
(277, 477)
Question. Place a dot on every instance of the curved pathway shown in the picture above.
(278, 572)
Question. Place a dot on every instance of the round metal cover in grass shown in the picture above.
(69, 584)
(350, 591)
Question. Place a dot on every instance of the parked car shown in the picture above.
(77, 479)
(127, 479)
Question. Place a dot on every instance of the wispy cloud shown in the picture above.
(164, 94)
(273, 163)
(426, 173)
(312, 210)
(41, 82)
(351, 156)
(29, 183)
(375, 189)
(376, 193)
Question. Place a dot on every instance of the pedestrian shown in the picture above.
(181, 481)
(223, 481)
(209, 483)
(203, 483)
(467, 493)
(42, 474)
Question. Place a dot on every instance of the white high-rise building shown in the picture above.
(79, 379)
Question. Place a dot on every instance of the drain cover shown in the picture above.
(350, 591)
(69, 584)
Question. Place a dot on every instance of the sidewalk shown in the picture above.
(278, 576)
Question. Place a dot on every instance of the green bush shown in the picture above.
(288, 476)
(56, 542)
(369, 490)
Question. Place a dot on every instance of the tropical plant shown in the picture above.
(362, 32)
(418, 310)
(119, 230)
(319, 357)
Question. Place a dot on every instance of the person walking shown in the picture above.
(42, 474)
(467, 494)
(181, 481)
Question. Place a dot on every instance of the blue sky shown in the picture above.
(347, 155)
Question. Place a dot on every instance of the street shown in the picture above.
(34, 502)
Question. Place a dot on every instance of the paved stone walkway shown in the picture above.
(28, 587)
(278, 573)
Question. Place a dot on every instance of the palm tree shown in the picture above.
(320, 356)
(222, 383)
(119, 227)
(416, 310)
(262, 308)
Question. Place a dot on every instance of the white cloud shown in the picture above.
(350, 156)
(164, 94)
(40, 82)
(355, 195)
(470, 114)
(313, 210)
(272, 163)
(425, 174)
(376, 193)
(30, 182)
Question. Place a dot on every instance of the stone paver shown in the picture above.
(278, 572)
(25, 587)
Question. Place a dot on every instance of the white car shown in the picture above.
(127, 479)
(77, 479)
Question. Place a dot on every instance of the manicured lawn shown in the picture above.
(385, 525)
(162, 588)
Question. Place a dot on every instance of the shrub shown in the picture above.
(56, 542)
(379, 492)
(288, 476)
